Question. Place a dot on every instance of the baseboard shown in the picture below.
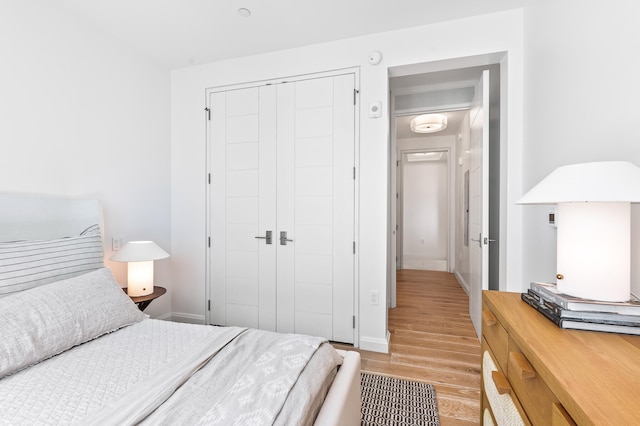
(375, 345)
(424, 263)
(463, 283)
(188, 318)
(165, 317)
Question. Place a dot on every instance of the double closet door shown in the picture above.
(281, 213)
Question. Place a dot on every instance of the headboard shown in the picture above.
(41, 217)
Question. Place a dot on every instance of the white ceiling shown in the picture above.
(180, 33)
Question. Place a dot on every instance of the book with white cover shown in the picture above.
(550, 291)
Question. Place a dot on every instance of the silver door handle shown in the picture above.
(268, 237)
(479, 240)
(283, 238)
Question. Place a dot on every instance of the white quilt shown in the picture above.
(102, 381)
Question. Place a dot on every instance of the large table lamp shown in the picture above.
(594, 226)
(140, 256)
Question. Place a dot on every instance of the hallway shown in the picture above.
(433, 341)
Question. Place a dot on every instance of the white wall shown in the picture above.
(500, 32)
(581, 97)
(425, 223)
(83, 116)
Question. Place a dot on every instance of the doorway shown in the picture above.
(448, 86)
(423, 209)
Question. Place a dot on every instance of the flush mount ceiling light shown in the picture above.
(424, 156)
(428, 123)
(244, 12)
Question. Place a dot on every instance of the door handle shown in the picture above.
(268, 237)
(283, 238)
(479, 240)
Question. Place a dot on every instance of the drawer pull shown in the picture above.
(488, 318)
(501, 382)
(522, 366)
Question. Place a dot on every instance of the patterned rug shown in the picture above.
(391, 401)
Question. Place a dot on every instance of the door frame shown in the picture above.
(498, 59)
(356, 208)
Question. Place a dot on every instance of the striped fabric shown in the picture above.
(28, 264)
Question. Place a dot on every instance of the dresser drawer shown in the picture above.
(498, 396)
(538, 400)
(496, 337)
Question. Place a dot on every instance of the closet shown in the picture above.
(281, 206)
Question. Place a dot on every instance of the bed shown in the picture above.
(74, 349)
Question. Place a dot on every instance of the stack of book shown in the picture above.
(583, 314)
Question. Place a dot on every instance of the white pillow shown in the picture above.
(27, 264)
(47, 320)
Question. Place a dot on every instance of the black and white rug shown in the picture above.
(391, 401)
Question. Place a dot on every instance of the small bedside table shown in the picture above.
(144, 301)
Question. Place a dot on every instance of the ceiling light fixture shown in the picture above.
(424, 156)
(428, 123)
(244, 12)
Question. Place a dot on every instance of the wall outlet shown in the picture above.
(375, 297)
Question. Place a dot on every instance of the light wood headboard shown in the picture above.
(40, 217)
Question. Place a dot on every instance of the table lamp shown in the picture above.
(140, 256)
(594, 226)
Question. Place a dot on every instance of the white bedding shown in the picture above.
(79, 351)
(73, 387)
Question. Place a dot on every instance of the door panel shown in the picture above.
(479, 199)
(283, 156)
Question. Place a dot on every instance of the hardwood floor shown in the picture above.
(433, 341)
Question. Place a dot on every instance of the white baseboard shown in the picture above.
(188, 318)
(423, 263)
(165, 317)
(463, 283)
(375, 344)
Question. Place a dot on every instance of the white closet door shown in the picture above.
(282, 159)
(316, 207)
(243, 185)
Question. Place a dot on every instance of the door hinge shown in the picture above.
(396, 258)
(208, 241)
(397, 163)
(354, 321)
(354, 173)
(209, 178)
(355, 93)
(396, 195)
(208, 111)
(354, 247)
(396, 226)
(209, 305)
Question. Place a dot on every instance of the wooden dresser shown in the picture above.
(535, 373)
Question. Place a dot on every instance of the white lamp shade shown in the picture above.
(604, 181)
(136, 251)
(140, 255)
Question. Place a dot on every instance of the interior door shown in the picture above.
(282, 160)
(243, 208)
(479, 199)
(316, 207)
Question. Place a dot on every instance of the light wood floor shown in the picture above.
(433, 341)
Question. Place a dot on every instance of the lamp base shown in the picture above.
(594, 250)
(140, 278)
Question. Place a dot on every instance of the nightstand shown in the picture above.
(144, 301)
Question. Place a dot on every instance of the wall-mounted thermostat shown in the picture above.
(375, 109)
